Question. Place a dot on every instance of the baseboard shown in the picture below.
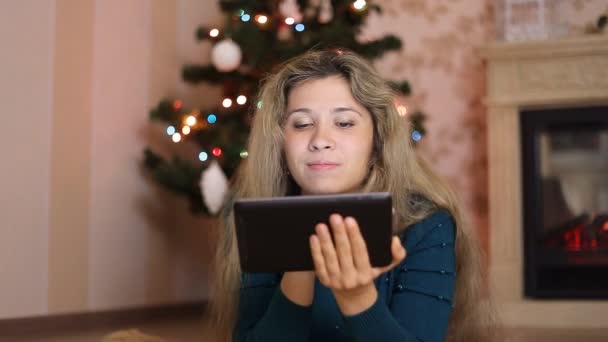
(99, 319)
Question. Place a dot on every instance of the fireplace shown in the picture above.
(565, 202)
(543, 231)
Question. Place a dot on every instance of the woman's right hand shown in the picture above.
(299, 287)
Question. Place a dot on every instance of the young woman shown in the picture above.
(327, 125)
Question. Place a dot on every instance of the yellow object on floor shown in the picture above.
(131, 335)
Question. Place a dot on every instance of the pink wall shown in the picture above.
(442, 61)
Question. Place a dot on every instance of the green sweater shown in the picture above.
(414, 299)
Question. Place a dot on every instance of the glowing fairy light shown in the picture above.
(170, 130)
(262, 19)
(191, 120)
(359, 4)
(242, 99)
(177, 104)
(203, 156)
(416, 136)
(402, 110)
(176, 137)
(186, 130)
(227, 103)
(214, 33)
(290, 21)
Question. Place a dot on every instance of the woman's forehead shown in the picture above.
(334, 92)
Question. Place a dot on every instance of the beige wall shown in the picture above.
(26, 70)
(119, 105)
(81, 228)
(70, 161)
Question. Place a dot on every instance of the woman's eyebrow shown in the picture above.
(345, 109)
(333, 111)
(305, 110)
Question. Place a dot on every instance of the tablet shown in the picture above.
(273, 233)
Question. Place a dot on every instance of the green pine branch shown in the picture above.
(261, 52)
(177, 176)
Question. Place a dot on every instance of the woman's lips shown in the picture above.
(322, 166)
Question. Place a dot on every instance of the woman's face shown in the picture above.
(328, 137)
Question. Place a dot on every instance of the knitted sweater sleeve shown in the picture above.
(421, 290)
(266, 314)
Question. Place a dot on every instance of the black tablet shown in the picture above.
(273, 233)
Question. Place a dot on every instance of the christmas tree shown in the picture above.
(256, 36)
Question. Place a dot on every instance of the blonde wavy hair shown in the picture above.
(415, 189)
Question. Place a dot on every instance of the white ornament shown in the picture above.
(290, 9)
(214, 186)
(326, 13)
(226, 55)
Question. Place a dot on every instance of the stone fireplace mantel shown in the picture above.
(529, 75)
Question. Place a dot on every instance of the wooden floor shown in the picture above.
(194, 330)
(184, 330)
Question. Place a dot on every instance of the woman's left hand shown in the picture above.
(345, 267)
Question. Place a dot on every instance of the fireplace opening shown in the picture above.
(565, 202)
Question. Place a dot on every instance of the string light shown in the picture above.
(191, 120)
(290, 21)
(359, 4)
(186, 130)
(214, 33)
(416, 136)
(211, 118)
(242, 99)
(260, 104)
(402, 110)
(227, 103)
(300, 27)
(245, 17)
(177, 104)
(203, 156)
(244, 154)
(217, 151)
(176, 137)
(170, 130)
(262, 19)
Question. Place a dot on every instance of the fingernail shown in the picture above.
(319, 228)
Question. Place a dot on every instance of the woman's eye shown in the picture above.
(345, 124)
(301, 125)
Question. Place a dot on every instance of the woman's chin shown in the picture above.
(324, 190)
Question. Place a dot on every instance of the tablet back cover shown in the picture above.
(273, 233)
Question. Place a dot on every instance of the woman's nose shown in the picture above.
(321, 139)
